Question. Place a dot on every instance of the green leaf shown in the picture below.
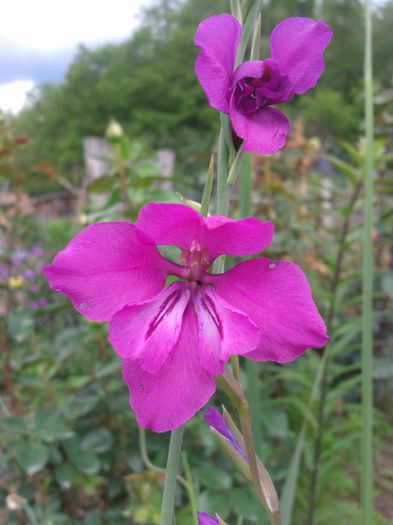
(77, 381)
(98, 441)
(241, 502)
(86, 461)
(31, 456)
(215, 478)
(276, 422)
(214, 502)
(48, 426)
(103, 184)
(344, 168)
(20, 324)
(13, 425)
(64, 474)
(387, 285)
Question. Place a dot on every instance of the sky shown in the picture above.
(38, 39)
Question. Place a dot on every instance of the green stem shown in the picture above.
(144, 454)
(30, 514)
(321, 380)
(222, 171)
(168, 497)
(208, 188)
(190, 489)
(235, 367)
(260, 478)
(367, 281)
(252, 367)
(222, 186)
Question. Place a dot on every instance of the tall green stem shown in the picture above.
(321, 380)
(252, 367)
(222, 170)
(367, 280)
(168, 497)
(190, 489)
(223, 195)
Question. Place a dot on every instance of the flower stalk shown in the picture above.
(260, 478)
(168, 497)
(367, 281)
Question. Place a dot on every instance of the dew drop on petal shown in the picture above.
(82, 306)
(272, 265)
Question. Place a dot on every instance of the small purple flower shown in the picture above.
(37, 251)
(206, 519)
(28, 274)
(39, 303)
(175, 339)
(247, 94)
(215, 420)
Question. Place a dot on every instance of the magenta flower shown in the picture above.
(175, 339)
(247, 94)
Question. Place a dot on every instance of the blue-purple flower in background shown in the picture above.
(206, 519)
(215, 420)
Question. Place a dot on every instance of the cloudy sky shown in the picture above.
(38, 38)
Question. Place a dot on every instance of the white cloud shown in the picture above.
(53, 24)
(32, 31)
(13, 95)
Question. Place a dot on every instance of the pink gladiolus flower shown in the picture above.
(175, 339)
(247, 94)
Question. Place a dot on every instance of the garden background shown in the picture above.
(71, 452)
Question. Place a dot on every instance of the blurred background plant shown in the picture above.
(71, 452)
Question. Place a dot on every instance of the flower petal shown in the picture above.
(298, 44)
(149, 331)
(217, 37)
(263, 132)
(223, 331)
(215, 420)
(180, 225)
(105, 267)
(237, 237)
(169, 224)
(277, 297)
(206, 519)
(165, 400)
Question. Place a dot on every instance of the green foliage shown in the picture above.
(69, 442)
(148, 84)
(328, 116)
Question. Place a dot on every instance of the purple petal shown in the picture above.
(217, 37)
(169, 224)
(298, 44)
(277, 297)
(251, 69)
(215, 420)
(180, 225)
(105, 267)
(165, 400)
(237, 237)
(263, 132)
(206, 519)
(259, 83)
(149, 331)
(223, 331)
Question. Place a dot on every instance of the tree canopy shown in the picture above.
(148, 84)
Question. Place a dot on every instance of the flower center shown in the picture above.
(196, 260)
(251, 93)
